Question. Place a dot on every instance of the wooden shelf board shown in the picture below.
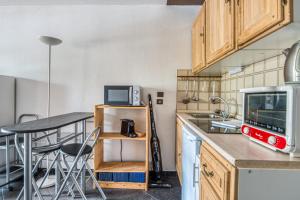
(122, 167)
(119, 136)
(124, 185)
(122, 107)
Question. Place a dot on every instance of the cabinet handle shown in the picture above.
(228, 2)
(208, 174)
(195, 174)
(238, 2)
(202, 35)
(284, 2)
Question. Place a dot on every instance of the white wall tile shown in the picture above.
(248, 81)
(271, 63)
(240, 83)
(233, 84)
(258, 80)
(203, 106)
(181, 106)
(248, 69)
(281, 60)
(280, 77)
(258, 67)
(192, 106)
(271, 78)
(204, 86)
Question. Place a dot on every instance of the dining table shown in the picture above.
(45, 125)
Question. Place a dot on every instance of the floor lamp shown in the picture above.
(50, 41)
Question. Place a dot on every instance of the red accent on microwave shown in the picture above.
(264, 136)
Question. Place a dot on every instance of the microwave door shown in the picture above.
(117, 95)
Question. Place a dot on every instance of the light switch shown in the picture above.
(160, 94)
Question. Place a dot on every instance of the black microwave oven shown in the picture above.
(122, 95)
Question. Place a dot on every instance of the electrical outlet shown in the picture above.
(159, 101)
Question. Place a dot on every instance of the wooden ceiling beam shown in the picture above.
(185, 2)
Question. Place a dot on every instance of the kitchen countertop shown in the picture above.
(240, 151)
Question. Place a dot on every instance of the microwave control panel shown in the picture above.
(264, 137)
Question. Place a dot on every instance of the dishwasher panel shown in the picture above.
(190, 164)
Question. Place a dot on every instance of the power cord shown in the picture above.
(121, 150)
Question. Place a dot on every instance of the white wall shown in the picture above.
(141, 45)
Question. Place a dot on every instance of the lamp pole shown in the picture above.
(50, 41)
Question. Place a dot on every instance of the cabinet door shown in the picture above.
(179, 149)
(219, 28)
(207, 192)
(198, 42)
(256, 16)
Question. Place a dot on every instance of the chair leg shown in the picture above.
(70, 175)
(64, 177)
(20, 194)
(94, 179)
(79, 173)
(48, 171)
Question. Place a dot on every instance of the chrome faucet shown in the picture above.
(215, 100)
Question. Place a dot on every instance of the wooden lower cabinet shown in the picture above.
(179, 125)
(217, 176)
(207, 192)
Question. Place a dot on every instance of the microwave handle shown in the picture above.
(130, 95)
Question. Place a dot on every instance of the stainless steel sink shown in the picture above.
(203, 115)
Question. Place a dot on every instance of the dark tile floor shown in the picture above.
(173, 193)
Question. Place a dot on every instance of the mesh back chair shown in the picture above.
(80, 152)
(9, 144)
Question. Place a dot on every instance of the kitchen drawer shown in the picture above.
(215, 173)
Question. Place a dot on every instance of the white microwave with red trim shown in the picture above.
(271, 117)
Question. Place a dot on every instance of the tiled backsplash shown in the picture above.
(198, 87)
(266, 73)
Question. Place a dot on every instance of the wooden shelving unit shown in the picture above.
(118, 136)
(128, 166)
(122, 167)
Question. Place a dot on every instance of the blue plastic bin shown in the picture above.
(120, 177)
(137, 177)
(105, 176)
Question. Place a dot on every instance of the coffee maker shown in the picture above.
(127, 128)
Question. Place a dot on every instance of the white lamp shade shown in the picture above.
(52, 41)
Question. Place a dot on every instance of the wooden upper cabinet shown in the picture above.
(219, 28)
(198, 42)
(257, 16)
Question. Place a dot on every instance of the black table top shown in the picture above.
(47, 124)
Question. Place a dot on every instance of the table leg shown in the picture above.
(83, 183)
(7, 160)
(57, 172)
(27, 167)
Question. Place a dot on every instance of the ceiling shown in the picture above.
(100, 2)
(82, 2)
